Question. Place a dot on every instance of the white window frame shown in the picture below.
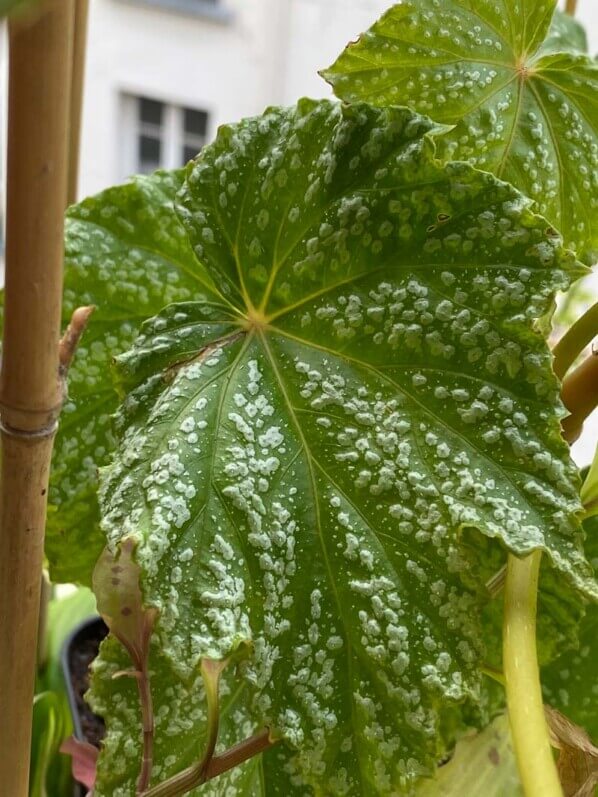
(173, 137)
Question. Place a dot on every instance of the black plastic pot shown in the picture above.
(78, 651)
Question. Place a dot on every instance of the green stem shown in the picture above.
(211, 765)
(531, 741)
(496, 584)
(197, 774)
(493, 673)
(574, 341)
(589, 490)
(147, 716)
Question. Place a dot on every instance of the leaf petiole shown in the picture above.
(197, 774)
(496, 583)
(531, 740)
(211, 766)
(493, 673)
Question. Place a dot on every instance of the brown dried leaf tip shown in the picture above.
(116, 586)
(578, 757)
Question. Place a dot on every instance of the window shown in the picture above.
(149, 140)
(195, 127)
(160, 135)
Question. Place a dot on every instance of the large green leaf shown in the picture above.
(519, 108)
(127, 254)
(298, 463)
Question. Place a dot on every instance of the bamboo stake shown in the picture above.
(78, 80)
(76, 108)
(40, 62)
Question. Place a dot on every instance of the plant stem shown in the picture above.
(589, 489)
(531, 740)
(147, 715)
(30, 387)
(580, 396)
(574, 341)
(493, 673)
(496, 584)
(78, 79)
(571, 7)
(239, 753)
(211, 672)
(211, 766)
(197, 774)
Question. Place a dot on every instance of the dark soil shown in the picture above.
(82, 652)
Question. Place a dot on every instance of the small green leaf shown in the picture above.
(566, 34)
(297, 465)
(64, 614)
(49, 727)
(589, 490)
(51, 714)
(521, 108)
(127, 254)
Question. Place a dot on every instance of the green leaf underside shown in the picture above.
(571, 681)
(127, 254)
(492, 68)
(297, 464)
(483, 765)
